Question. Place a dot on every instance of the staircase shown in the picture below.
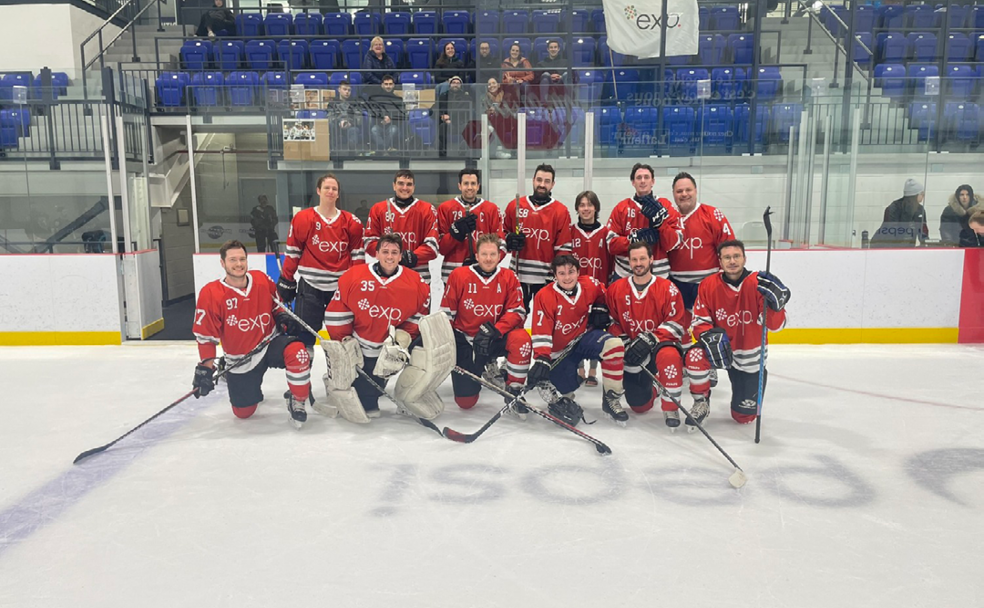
(147, 48)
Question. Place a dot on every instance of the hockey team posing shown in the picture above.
(659, 294)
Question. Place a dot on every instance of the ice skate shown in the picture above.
(699, 411)
(517, 409)
(298, 415)
(493, 374)
(672, 419)
(612, 407)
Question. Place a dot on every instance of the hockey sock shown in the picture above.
(612, 354)
(298, 364)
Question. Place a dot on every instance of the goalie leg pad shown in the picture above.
(343, 356)
(430, 364)
(345, 402)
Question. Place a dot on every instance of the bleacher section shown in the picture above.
(15, 116)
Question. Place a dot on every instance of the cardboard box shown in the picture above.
(306, 140)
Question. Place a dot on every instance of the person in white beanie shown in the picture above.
(904, 224)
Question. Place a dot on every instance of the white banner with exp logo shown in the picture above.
(633, 27)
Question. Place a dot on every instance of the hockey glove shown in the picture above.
(599, 318)
(487, 334)
(204, 380)
(654, 210)
(515, 241)
(287, 289)
(409, 259)
(288, 324)
(647, 235)
(567, 410)
(640, 348)
(775, 293)
(393, 357)
(464, 226)
(539, 372)
(717, 347)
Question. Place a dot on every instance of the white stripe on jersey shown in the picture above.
(693, 276)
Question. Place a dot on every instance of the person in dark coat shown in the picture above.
(454, 112)
(904, 224)
(973, 234)
(263, 219)
(387, 113)
(217, 21)
(954, 219)
(376, 63)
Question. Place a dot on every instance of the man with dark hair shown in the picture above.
(462, 220)
(973, 234)
(387, 112)
(727, 328)
(345, 115)
(454, 113)
(537, 227)
(488, 65)
(241, 312)
(263, 219)
(552, 71)
(569, 307)
(644, 218)
(414, 220)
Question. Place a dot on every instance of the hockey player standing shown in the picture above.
(240, 312)
(728, 329)
(323, 242)
(537, 227)
(589, 243)
(704, 228)
(462, 220)
(413, 219)
(648, 312)
(569, 307)
(643, 218)
(485, 304)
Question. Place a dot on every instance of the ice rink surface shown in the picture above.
(867, 490)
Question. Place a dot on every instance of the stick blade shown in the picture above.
(737, 479)
(603, 449)
(454, 435)
(88, 453)
(767, 220)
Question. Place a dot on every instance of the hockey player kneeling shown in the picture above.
(567, 308)
(727, 325)
(378, 322)
(485, 305)
(240, 312)
(647, 311)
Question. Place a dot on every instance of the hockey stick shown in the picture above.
(454, 435)
(242, 361)
(365, 375)
(765, 327)
(736, 479)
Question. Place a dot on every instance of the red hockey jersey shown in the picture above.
(416, 224)
(471, 300)
(739, 311)
(657, 309)
(320, 249)
(488, 221)
(366, 305)
(548, 232)
(703, 229)
(558, 319)
(591, 251)
(238, 318)
(626, 219)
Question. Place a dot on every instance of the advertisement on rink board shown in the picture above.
(634, 27)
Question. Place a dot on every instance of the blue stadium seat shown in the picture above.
(865, 20)
(923, 46)
(976, 19)
(608, 123)
(338, 24)
(546, 22)
(572, 129)
(679, 126)
(324, 54)
(308, 24)
(456, 23)
(260, 54)
(8, 137)
(394, 48)
(293, 54)
(785, 115)
(540, 47)
(278, 24)
(922, 116)
(487, 22)
(460, 48)
(19, 119)
(979, 46)
(608, 57)
(421, 124)
(59, 84)
(577, 21)
(249, 25)
(724, 18)
(196, 54)
(418, 78)
(920, 16)
(703, 18)
(742, 47)
(311, 114)
(725, 86)
(425, 23)
(589, 86)
(275, 80)
(891, 78)
(242, 87)
(397, 23)
(957, 16)
(229, 54)
(891, 17)
(962, 120)
(716, 127)
(893, 47)
(207, 88)
(960, 81)
(419, 53)
(743, 121)
(171, 88)
(625, 85)
(917, 77)
(769, 83)
(598, 21)
(863, 41)
(354, 79)
(15, 79)
(367, 24)
(352, 53)
(710, 49)
(537, 120)
(687, 79)
(959, 48)
(582, 52)
(515, 22)
(525, 45)
(312, 80)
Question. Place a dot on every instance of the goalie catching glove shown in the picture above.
(717, 347)
(394, 355)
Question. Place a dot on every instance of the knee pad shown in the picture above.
(742, 418)
(744, 411)
(645, 407)
(244, 412)
(466, 403)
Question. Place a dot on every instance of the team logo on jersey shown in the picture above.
(637, 326)
(524, 351)
(328, 246)
(261, 322)
(468, 304)
(692, 244)
(386, 312)
(673, 290)
(718, 215)
(670, 372)
(539, 234)
(591, 263)
(739, 318)
(568, 328)
(696, 355)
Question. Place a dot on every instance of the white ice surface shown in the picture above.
(867, 490)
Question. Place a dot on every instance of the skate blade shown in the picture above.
(298, 423)
(691, 428)
(621, 423)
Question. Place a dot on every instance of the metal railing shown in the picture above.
(133, 14)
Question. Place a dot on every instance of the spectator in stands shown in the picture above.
(263, 219)
(904, 224)
(454, 112)
(502, 118)
(345, 114)
(553, 72)
(516, 69)
(217, 21)
(488, 66)
(446, 66)
(376, 63)
(386, 110)
(973, 235)
(954, 220)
